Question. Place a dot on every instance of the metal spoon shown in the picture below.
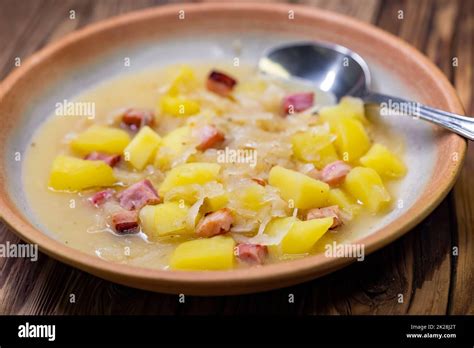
(339, 70)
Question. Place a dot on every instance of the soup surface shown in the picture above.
(208, 167)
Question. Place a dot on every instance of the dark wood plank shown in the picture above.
(364, 10)
(419, 266)
(463, 76)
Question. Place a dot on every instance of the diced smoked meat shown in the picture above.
(111, 160)
(220, 83)
(331, 211)
(138, 195)
(259, 181)
(134, 119)
(298, 102)
(208, 137)
(252, 253)
(335, 173)
(215, 223)
(125, 222)
(101, 197)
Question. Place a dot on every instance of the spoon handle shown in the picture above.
(461, 125)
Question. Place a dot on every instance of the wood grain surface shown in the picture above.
(428, 271)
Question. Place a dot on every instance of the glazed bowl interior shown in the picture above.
(157, 37)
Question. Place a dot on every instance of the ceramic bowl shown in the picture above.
(159, 36)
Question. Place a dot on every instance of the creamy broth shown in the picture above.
(70, 217)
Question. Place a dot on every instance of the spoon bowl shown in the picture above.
(337, 69)
(330, 67)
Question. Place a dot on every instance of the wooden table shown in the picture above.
(420, 266)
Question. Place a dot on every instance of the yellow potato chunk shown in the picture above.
(332, 114)
(172, 145)
(251, 197)
(73, 174)
(164, 219)
(315, 148)
(216, 202)
(147, 220)
(353, 107)
(189, 194)
(276, 227)
(304, 234)
(142, 148)
(348, 107)
(179, 106)
(216, 253)
(365, 185)
(303, 191)
(352, 140)
(384, 162)
(189, 173)
(184, 82)
(338, 197)
(102, 139)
